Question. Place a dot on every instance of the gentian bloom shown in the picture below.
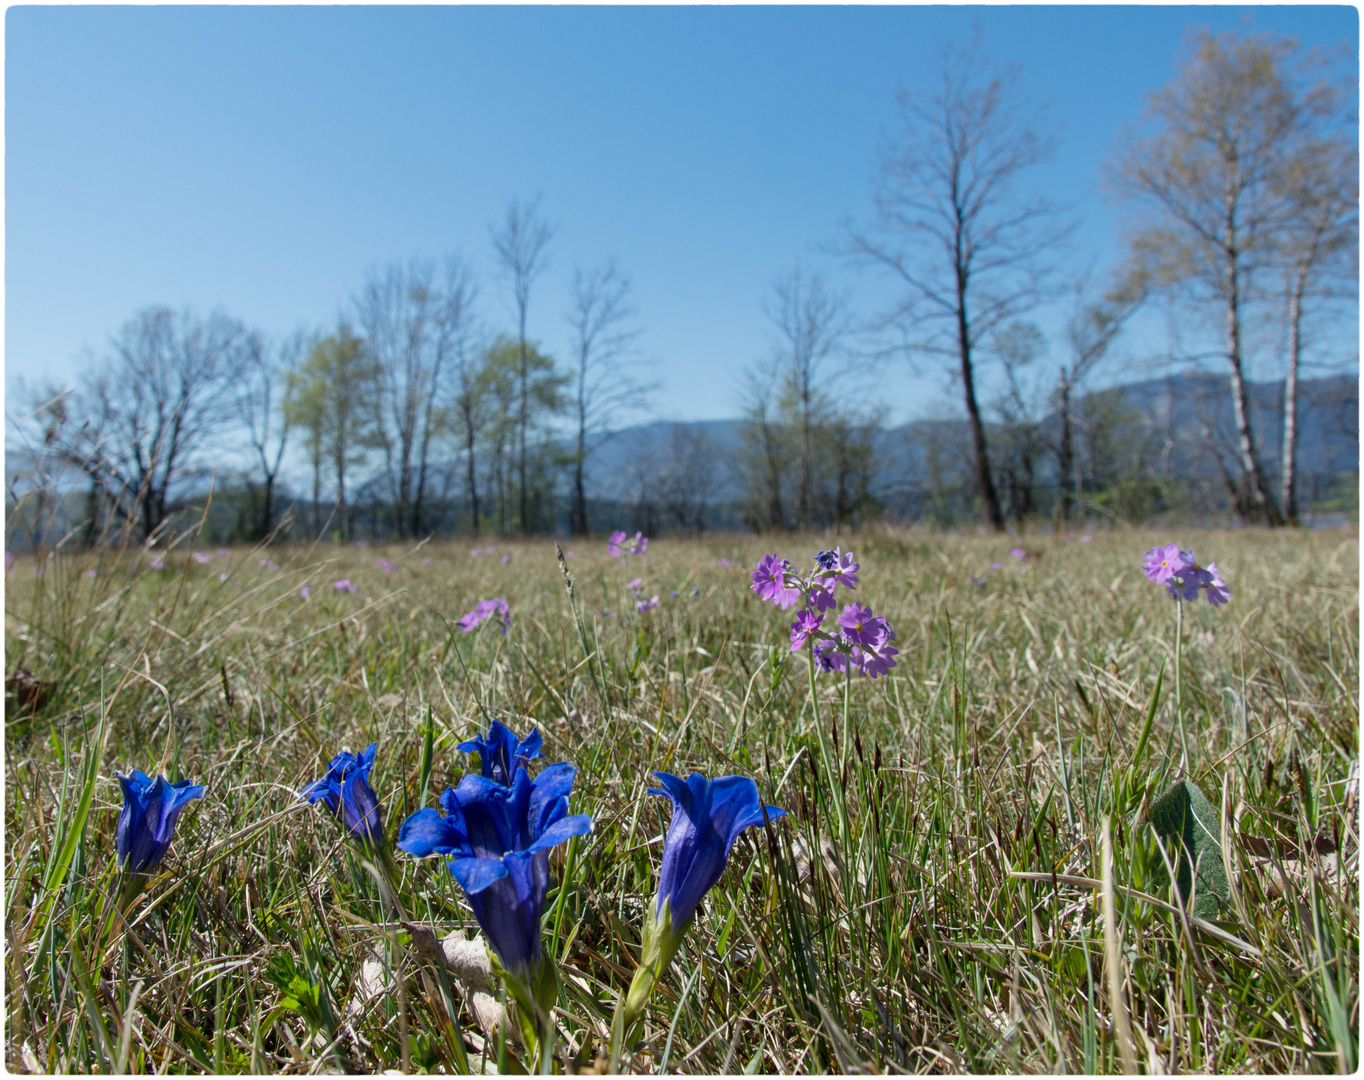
(501, 753)
(497, 839)
(708, 817)
(484, 610)
(147, 821)
(346, 791)
(769, 582)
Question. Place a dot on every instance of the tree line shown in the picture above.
(1240, 187)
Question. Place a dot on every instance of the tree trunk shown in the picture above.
(1065, 456)
(1261, 502)
(1290, 402)
(471, 478)
(985, 485)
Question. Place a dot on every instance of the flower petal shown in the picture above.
(475, 875)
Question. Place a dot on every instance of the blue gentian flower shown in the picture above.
(501, 754)
(708, 817)
(497, 838)
(147, 821)
(346, 791)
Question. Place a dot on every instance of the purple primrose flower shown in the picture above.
(769, 582)
(483, 611)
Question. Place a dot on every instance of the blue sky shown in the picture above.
(260, 159)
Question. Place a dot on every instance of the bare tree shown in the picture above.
(522, 248)
(811, 322)
(1208, 179)
(264, 408)
(765, 452)
(1091, 329)
(413, 322)
(602, 318)
(155, 400)
(333, 400)
(1320, 253)
(1017, 346)
(689, 479)
(950, 225)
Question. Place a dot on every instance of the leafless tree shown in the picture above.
(522, 247)
(264, 409)
(1019, 410)
(1207, 178)
(811, 322)
(765, 452)
(602, 318)
(1091, 329)
(414, 323)
(149, 406)
(1319, 248)
(689, 476)
(951, 226)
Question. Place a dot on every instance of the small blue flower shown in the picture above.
(500, 754)
(147, 821)
(825, 560)
(346, 791)
(708, 817)
(498, 840)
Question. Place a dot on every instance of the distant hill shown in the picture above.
(1191, 412)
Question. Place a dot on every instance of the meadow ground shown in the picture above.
(935, 901)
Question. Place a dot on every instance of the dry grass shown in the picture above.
(889, 923)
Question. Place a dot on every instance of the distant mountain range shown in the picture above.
(1188, 414)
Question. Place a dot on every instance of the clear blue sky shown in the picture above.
(260, 159)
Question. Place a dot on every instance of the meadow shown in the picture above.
(940, 897)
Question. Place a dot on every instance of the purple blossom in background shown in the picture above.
(769, 582)
(9, 561)
(723, 563)
(201, 557)
(344, 585)
(996, 566)
(483, 611)
(1019, 554)
(634, 584)
(426, 561)
(807, 622)
(828, 658)
(158, 563)
(91, 573)
(608, 613)
(647, 605)
(569, 555)
(620, 546)
(1086, 539)
(490, 549)
(224, 576)
(476, 552)
(223, 553)
(506, 559)
(384, 565)
(979, 582)
(305, 592)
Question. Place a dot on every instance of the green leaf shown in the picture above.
(1188, 827)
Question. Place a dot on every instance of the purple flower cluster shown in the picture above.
(483, 611)
(857, 637)
(1181, 575)
(619, 546)
(384, 565)
(344, 585)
